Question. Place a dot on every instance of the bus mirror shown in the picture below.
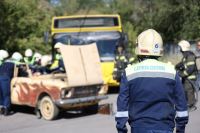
(46, 37)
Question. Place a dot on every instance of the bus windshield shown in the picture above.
(86, 22)
(106, 41)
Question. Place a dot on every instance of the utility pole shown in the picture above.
(150, 12)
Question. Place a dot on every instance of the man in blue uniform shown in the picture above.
(151, 96)
(6, 74)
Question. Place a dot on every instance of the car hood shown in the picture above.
(82, 65)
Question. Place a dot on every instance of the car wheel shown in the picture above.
(48, 109)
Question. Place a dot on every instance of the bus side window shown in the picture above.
(116, 22)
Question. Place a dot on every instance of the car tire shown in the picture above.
(48, 109)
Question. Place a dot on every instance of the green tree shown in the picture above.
(24, 21)
(23, 24)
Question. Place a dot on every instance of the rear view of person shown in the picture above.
(6, 74)
(188, 72)
(151, 95)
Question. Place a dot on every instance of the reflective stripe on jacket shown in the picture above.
(29, 60)
(187, 67)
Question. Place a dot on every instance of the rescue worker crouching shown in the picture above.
(6, 74)
(122, 60)
(188, 71)
(151, 92)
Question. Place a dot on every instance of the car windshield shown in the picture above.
(106, 41)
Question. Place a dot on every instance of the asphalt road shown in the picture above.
(24, 121)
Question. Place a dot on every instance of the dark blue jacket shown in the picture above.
(152, 97)
(7, 69)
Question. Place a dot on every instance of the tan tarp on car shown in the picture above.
(82, 64)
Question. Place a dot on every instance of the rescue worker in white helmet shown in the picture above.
(44, 67)
(188, 72)
(29, 58)
(58, 64)
(16, 58)
(6, 74)
(122, 60)
(57, 57)
(151, 96)
(38, 58)
(3, 56)
(37, 63)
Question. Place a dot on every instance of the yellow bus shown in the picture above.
(104, 30)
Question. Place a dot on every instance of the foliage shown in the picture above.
(23, 22)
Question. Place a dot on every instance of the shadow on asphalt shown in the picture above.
(21, 109)
(72, 115)
(62, 115)
(113, 90)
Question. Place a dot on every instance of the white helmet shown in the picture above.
(3, 54)
(17, 56)
(149, 42)
(28, 53)
(185, 45)
(45, 60)
(1, 57)
(37, 56)
(58, 45)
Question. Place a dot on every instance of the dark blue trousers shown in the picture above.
(5, 91)
(143, 130)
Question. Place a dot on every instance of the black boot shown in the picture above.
(6, 112)
(1, 111)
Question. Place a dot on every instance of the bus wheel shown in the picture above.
(48, 109)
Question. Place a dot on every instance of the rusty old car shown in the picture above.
(81, 86)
